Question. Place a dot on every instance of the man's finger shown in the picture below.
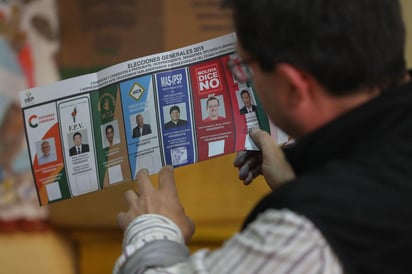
(240, 158)
(249, 164)
(248, 178)
(122, 219)
(261, 138)
(267, 145)
(190, 229)
(131, 197)
(243, 171)
(166, 179)
(252, 174)
(143, 181)
(256, 171)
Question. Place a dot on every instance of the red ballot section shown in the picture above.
(213, 110)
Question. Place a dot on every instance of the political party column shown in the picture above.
(45, 153)
(111, 149)
(214, 122)
(247, 111)
(175, 117)
(140, 124)
(76, 130)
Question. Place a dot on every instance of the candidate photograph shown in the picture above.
(175, 120)
(79, 147)
(141, 127)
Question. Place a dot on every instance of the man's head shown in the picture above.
(139, 120)
(174, 113)
(77, 138)
(109, 133)
(212, 107)
(45, 148)
(314, 60)
(345, 45)
(245, 97)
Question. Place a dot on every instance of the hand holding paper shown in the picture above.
(163, 201)
(269, 162)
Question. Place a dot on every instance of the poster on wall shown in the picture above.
(28, 44)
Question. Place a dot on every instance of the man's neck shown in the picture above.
(328, 107)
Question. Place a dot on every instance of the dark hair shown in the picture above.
(109, 126)
(77, 133)
(174, 108)
(210, 99)
(44, 142)
(344, 44)
(243, 92)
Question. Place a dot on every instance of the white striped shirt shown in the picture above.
(278, 241)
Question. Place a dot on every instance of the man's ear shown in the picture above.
(298, 83)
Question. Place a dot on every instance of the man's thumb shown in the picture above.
(258, 136)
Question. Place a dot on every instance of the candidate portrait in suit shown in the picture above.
(175, 120)
(78, 147)
(247, 103)
(141, 129)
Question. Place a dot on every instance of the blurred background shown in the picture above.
(42, 41)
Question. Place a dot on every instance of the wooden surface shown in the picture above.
(407, 15)
(36, 253)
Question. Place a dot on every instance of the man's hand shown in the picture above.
(270, 161)
(163, 201)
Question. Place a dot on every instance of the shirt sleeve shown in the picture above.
(279, 241)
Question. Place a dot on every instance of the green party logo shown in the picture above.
(106, 106)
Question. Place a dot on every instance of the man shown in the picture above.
(141, 129)
(341, 199)
(212, 107)
(78, 147)
(247, 103)
(46, 156)
(175, 120)
(111, 139)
